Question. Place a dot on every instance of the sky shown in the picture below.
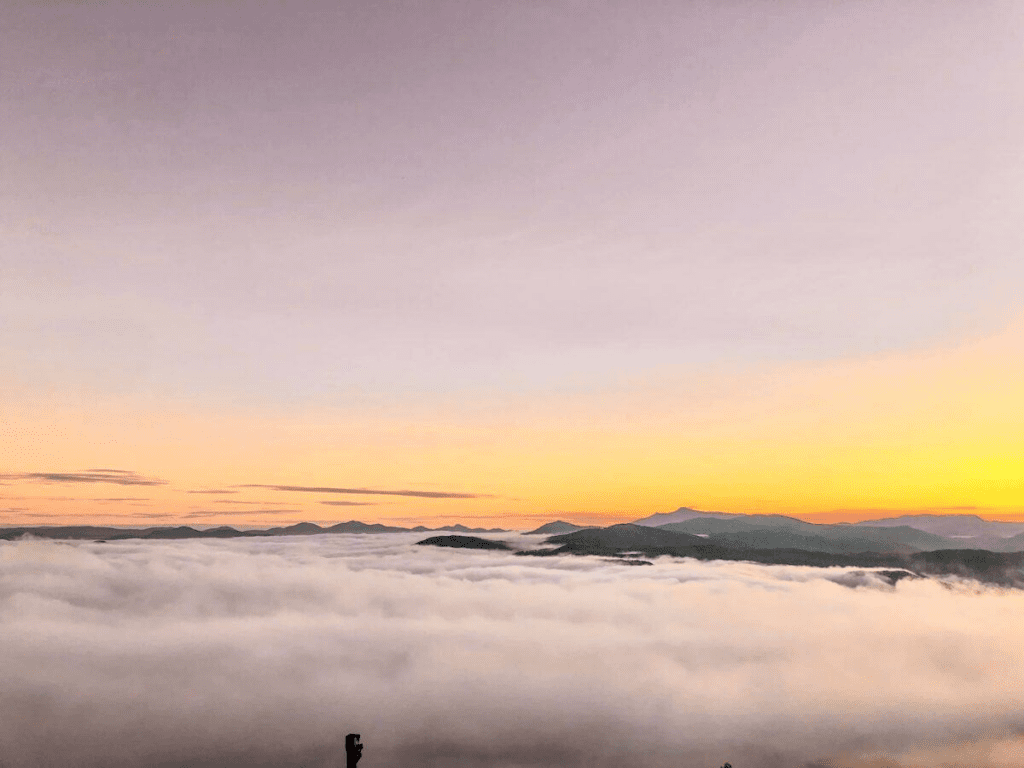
(263, 262)
(266, 652)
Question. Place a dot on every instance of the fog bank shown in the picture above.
(267, 652)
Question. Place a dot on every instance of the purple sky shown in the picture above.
(293, 202)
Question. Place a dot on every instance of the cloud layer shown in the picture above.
(267, 652)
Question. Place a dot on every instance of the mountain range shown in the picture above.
(902, 534)
(557, 526)
(905, 533)
(223, 532)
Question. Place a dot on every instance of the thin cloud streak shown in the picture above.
(89, 516)
(112, 476)
(204, 513)
(79, 499)
(246, 503)
(43, 498)
(370, 491)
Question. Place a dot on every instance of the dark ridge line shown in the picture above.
(113, 533)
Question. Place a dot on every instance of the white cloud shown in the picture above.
(267, 652)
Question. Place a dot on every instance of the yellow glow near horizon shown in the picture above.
(934, 431)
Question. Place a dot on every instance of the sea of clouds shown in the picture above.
(266, 652)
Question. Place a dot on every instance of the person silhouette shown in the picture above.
(353, 750)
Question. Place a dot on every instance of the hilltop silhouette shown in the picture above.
(557, 526)
(464, 542)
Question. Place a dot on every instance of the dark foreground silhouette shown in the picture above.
(353, 750)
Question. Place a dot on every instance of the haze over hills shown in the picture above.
(631, 540)
(768, 539)
(627, 543)
(773, 532)
(905, 533)
(972, 547)
(952, 525)
(902, 533)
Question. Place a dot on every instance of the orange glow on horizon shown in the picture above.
(931, 432)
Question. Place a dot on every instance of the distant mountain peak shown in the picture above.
(557, 526)
(959, 525)
(680, 515)
(303, 528)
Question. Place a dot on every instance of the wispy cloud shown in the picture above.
(119, 499)
(113, 476)
(334, 503)
(41, 498)
(247, 503)
(89, 516)
(370, 491)
(205, 513)
(212, 490)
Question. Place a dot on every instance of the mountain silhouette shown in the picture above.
(907, 533)
(777, 531)
(680, 515)
(109, 533)
(557, 526)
